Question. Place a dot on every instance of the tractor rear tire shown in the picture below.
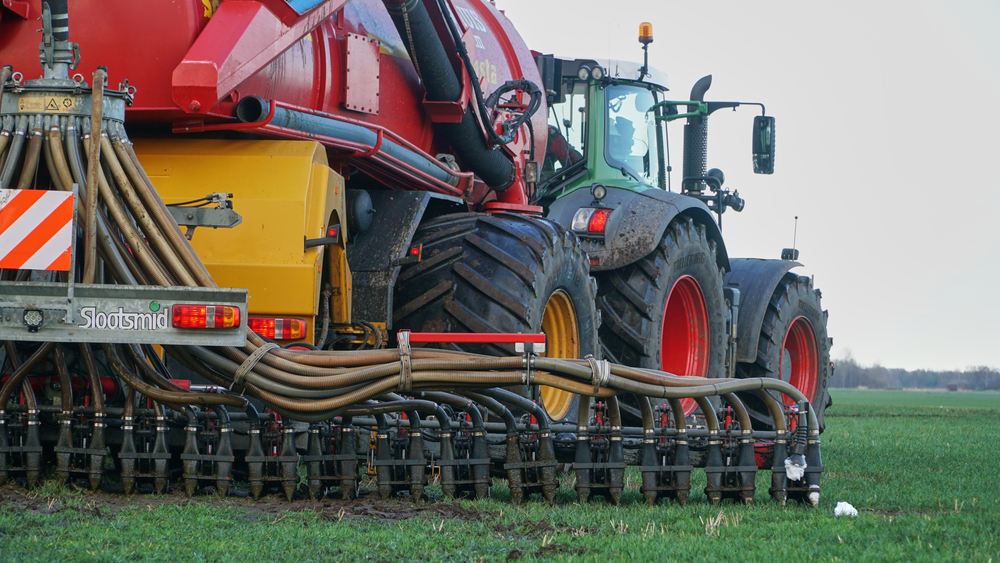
(502, 273)
(794, 347)
(667, 311)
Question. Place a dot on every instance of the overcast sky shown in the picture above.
(888, 120)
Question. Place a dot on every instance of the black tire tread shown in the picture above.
(794, 295)
(630, 293)
(494, 273)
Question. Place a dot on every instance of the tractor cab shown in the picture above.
(602, 125)
(607, 133)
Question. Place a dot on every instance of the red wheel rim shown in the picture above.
(685, 339)
(800, 359)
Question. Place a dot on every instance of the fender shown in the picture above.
(756, 279)
(376, 255)
(636, 224)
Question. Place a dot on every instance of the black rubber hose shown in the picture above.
(22, 371)
(442, 85)
(399, 406)
(60, 19)
(222, 413)
(646, 411)
(14, 152)
(496, 407)
(777, 414)
(457, 402)
(105, 243)
(520, 402)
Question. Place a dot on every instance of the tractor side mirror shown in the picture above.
(763, 144)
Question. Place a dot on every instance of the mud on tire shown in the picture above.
(632, 301)
(496, 273)
(784, 353)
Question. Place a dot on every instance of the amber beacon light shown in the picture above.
(645, 33)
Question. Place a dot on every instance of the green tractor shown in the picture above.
(670, 296)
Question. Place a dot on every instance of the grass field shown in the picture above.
(919, 466)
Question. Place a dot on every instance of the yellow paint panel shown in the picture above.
(284, 193)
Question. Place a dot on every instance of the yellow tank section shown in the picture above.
(285, 193)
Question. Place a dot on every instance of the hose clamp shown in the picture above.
(405, 371)
(403, 337)
(601, 372)
(405, 374)
(248, 364)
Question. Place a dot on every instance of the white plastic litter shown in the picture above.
(845, 509)
(794, 472)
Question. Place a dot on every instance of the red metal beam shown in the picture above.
(476, 338)
(242, 38)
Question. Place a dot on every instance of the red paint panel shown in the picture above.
(362, 89)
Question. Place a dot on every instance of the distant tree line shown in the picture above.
(848, 373)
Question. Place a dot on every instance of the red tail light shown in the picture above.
(599, 221)
(278, 329)
(205, 316)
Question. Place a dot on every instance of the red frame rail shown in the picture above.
(537, 340)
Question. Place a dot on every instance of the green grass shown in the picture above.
(918, 466)
(930, 398)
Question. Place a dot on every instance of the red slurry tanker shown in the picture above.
(382, 173)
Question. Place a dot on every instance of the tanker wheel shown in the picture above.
(666, 311)
(502, 273)
(793, 346)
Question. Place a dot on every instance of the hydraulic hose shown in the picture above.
(60, 168)
(457, 402)
(139, 212)
(60, 19)
(155, 205)
(254, 108)
(151, 265)
(6, 127)
(777, 413)
(30, 166)
(93, 165)
(65, 385)
(442, 85)
(677, 411)
(160, 395)
(645, 412)
(727, 386)
(93, 377)
(710, 419)
(26, 390)
(14, 154)
(122, 265)
(21, 372)
(47, 158)
(513, 399)
(400, 406)
(5, 73)
(496, 407)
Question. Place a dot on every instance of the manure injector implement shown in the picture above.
(455, 259)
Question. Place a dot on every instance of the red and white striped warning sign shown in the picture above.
(36, 229)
